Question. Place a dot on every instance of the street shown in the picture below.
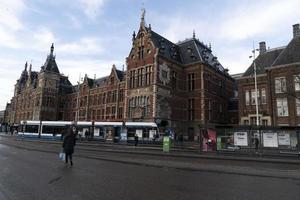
(32, 174)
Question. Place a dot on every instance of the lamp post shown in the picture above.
(77, 102)
(255, 83)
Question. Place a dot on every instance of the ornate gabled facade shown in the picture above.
(180, 86)
(36, 94)
(278, 83)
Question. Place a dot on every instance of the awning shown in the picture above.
(141, 124)
(108, 123)
(84, 123)
(56, 123)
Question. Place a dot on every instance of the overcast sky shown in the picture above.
(91, 35)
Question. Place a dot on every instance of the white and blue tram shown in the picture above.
(43, 129)
(108, 131)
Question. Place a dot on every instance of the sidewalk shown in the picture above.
(175, 151)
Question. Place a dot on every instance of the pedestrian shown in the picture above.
(86, 134)
(69, 143)
(256, 142)
(136, 140)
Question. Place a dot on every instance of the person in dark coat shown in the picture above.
(68, 144)
(256, 143)
(136, 140)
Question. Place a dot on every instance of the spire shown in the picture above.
(194, 34)
(52, 49)
(143, 17)
(30, 67)
(26, 66)
(133, 36)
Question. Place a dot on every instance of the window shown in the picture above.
(191, 84)
(265, 122)
(148, 75)
(253, 96)
(191, 111)
(174, 80)
(141, 52)
(253, 120)
(247, 97)
(121, 95)
(280, 85)
(263, 96)
(164, 73)
(246, 122)
(298, 106)
(113, 112)
(282, 107)
(120, 113)
(297, 82)
(209, 110)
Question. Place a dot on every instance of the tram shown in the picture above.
(107, 131)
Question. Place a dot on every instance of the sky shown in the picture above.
(90, 36)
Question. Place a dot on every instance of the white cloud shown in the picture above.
(42, 37)
(253, 19)
(92, 8)
(8, 39)
(9, 14)
(85, 46)
(10, 70)
(10, 22)
(74, 68)
(75, 22)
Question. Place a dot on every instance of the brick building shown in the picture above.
(181, 86)
(278, 75)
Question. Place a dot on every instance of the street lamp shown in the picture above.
(255, 83)
(77, 102)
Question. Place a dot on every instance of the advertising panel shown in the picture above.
(152, 133)
(240, 139)
(270, 139)
(96, 132)
(139, 133)
(284, 139)
(123, 136)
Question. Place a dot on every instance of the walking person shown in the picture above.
(69, 143)
(136, 140)
(256, 143)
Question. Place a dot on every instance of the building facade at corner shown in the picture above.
(278, 83)
(180, 86)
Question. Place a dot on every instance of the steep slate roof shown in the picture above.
(192, 50)
(120, 74)
(264, 60)
(186, 52)
(166, 48)
(50, 64)
(291, 54)
(65, 86)
(101, 81)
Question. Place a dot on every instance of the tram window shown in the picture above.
(131, 132)
(32, 128)
(53, 129)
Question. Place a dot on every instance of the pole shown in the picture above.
(255, 82)
(77, 103)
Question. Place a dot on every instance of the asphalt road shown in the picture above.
(32, 174)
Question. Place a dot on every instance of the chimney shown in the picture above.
(296, 30)
(262, 47)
